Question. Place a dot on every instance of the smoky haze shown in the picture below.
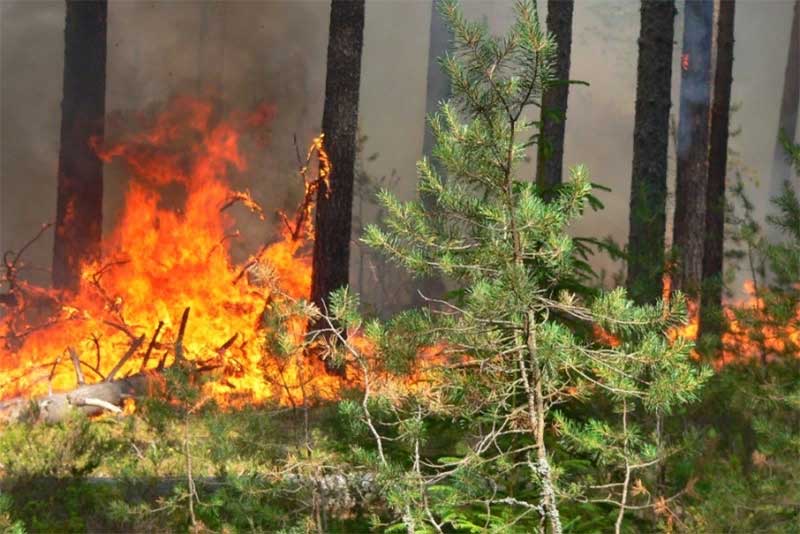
(251, 52)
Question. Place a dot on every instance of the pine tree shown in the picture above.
(647, 216)
(536, 380)
(79, 211)
(788, 113)
(711, 298)
(550, 160)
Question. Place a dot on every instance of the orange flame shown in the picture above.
(167, 253)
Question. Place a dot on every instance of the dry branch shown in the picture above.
(179, 357)
(151, 346)
(76, 362)
(92, 399)
(122, 361)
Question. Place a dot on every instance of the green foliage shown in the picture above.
(520, 333)
(70, 449)
(749, 474)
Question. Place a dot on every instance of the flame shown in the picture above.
(168, 253)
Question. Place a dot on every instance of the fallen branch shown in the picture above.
(92, 399)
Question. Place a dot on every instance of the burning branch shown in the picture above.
(246, 199)
(151, 346)
(179, 357)
(122, 361)
(302, 219)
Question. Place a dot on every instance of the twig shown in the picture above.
(225, 346)
(122, 361)
(52, 374)
(121, 328)
(11, 266)
(76, 362)
(151, 346)
(162, 361)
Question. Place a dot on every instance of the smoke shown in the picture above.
(275, 51)
(242, 53)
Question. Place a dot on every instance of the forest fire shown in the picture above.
(741, 342)
(166, 279)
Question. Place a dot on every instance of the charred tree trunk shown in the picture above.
(79, 210)
(550, 160)
(692, 167)
(339, 124)
(647, 218)
(711, 303)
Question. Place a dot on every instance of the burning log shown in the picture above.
(105, 396)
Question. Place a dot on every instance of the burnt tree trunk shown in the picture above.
(692, 166)
(550, 160)
(339, 124)
(647, 216)
(711, 303)
(79, 211)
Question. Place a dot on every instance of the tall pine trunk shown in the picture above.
(692, 168)
(647, 217)
(787, 120)
(711, 303)
(438, 83)
(550, 158)
(438, 90)
(339, 124)
(79, 211)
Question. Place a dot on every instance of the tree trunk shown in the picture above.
(787, 120)
(438, 90)
(711, 303)
(339, 123)
(550, 158)
(692, 166)
(79, 212)
(647, 217)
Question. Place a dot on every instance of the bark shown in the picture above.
(711, 301)
(339, 123)
(692, 166)
(80, 172)
(438, 90)
(647, 216)
(550, 158)
(787, 120)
